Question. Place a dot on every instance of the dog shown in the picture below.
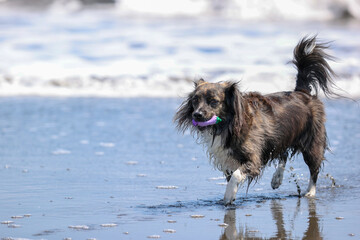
(255, 129)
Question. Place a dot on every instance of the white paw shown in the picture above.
(310, 194)
(311, 191)
(277, 179)
(232, 186)
(230, 196)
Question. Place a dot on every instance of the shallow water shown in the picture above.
(77, 163)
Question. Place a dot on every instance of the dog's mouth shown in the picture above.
(203, 124)
(200, 128)
(201, 120)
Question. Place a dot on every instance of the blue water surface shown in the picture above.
(92, 161)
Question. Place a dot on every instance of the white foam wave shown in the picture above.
(232, 9)
(99, 54)
(244, 9)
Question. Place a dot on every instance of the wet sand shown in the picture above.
(95, 168)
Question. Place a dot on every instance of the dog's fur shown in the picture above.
(256, 129)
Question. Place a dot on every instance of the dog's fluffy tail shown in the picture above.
(313, 69)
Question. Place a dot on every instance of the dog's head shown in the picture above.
(208, 99)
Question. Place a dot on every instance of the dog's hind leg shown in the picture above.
(279, 173)
(232, 186)
(313, 158)
(314, 167)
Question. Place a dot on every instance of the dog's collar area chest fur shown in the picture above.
(214, 120)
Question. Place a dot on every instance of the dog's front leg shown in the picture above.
(278, 175)
(232, 187)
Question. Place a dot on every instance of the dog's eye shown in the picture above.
(195, 101)
(214, 103)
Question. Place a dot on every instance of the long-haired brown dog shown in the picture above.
(255, 129)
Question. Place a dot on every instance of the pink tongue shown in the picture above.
(211, 121)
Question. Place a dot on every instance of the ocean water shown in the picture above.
(107, 52)
(115, 168)
(88, 149)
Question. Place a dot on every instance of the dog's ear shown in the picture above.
(233, 100)
(199, 82)
(183, 117)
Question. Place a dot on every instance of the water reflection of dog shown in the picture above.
(312, 232)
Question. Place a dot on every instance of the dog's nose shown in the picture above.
(197, 116)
